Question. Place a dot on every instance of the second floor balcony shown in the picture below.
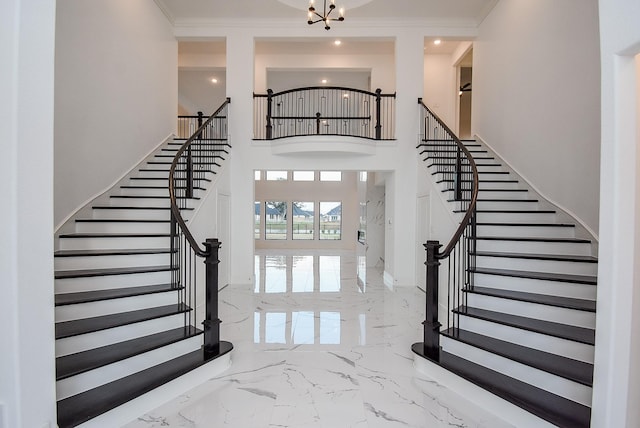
(328, 111)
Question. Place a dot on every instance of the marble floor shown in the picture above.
(320, 341)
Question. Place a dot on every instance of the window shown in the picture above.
(257, 175)
(275, 220)
(256, 220)
(330, 176)
(303, 220)
(330, 220)
(303, 176)
(277, 175)
(363, 175)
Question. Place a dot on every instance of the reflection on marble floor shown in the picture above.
(318, 345)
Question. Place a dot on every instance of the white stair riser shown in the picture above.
(526, 284)
(534, 247)
(154, 173)
(542, 342)
(489, 186)
(84, 342)
(140, 202)
(149, 182)
(154, 191)
(533, 310)
(74, 285)
(500, 191)
(164, 173)
(549, 382)
(151, 202)
(131, 214)
(526, 231)
(113, 243)
(510, 205)
(516, 217)
(113, 306)
(115, 261)
(94, 378)
(532, 265)
(563, 289)
(123, 227)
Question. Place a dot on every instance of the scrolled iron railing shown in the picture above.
(457, 169)
(192, 166)
(324, 110)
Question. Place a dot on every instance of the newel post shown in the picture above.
(211, 321)
(431, 324)
(269, 114)
(378, 115)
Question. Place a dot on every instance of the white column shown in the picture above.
(240, 78)
(27, 371)
(409, 87)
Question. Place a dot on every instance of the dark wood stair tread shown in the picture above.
(548, 406)
(89, 325)
(158, 187)
(560, 277)
(117, 252)
(115, 235)
(563, 331)
(62, 299)
(82, 407)
(532, 239)
(86, 273)
(120, 220)
(547, 257)
(166, 179)
(126, 207)
(542, 299)
(73, 364)
(523, 224)
(148, 197)
(568, 368)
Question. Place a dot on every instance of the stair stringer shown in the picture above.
(84, 210)
(564, 214)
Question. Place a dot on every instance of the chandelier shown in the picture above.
(324, 17)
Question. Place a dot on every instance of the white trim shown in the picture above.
(165, 10)
(100, 193)
(388, 279)
(539, 192)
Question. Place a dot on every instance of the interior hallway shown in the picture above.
(319, 342)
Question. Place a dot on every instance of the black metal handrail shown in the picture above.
(194, 160)
(454, 162)
(324, 110)
(197, 137)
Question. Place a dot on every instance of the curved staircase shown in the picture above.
(523, 326)
(122, 328)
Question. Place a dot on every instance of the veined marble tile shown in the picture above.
(314, 347)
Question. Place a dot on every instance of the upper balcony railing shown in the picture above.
(324, 110)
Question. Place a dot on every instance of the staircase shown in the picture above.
(523, 325)
(123, 326)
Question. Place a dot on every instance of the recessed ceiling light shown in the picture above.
(337, 42)
(437, 42)
(324, 81)
(214, 80)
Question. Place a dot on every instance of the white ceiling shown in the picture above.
(463, 12)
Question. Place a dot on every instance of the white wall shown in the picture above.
(27, 371)
(381, 66)
(536, 96)
(115, 93)
(616, 375)
(440, 87)
(196, 91)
